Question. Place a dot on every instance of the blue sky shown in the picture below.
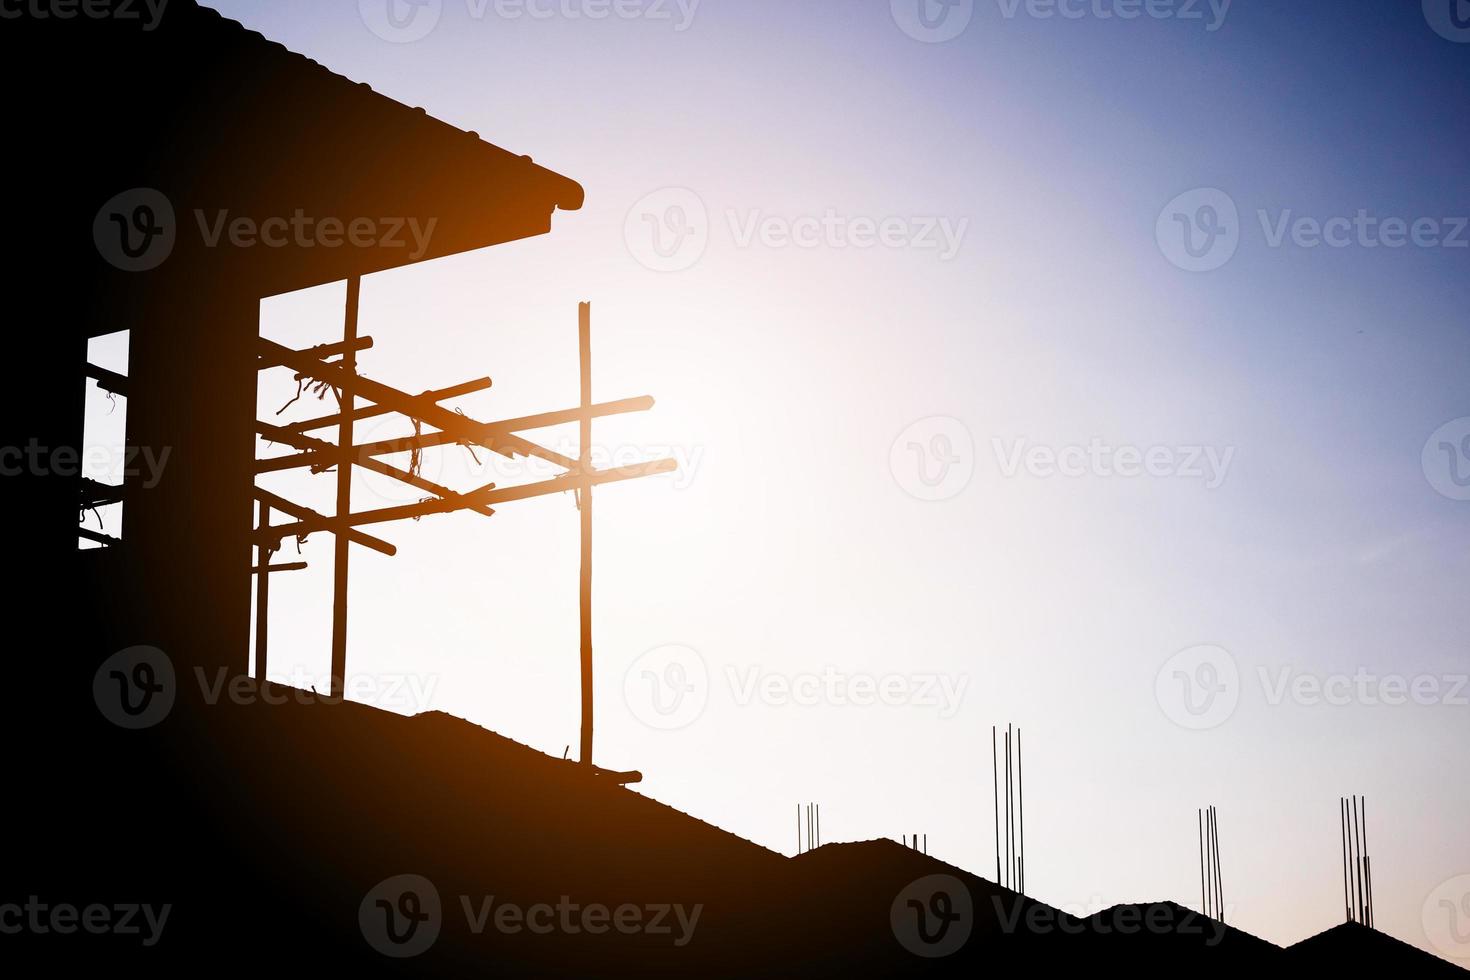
(804, 387)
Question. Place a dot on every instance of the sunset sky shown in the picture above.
(969, 433)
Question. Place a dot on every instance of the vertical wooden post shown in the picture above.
(584, 501)
(346, 400)
(262, 595)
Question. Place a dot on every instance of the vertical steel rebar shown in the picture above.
(1357, 859)
(995, 794)
(1021, 815)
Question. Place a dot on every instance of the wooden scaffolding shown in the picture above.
(335, 367)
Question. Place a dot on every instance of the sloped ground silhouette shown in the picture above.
(271, 828)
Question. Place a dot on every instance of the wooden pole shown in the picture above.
(262, 595)
(362, 413)
(462, 429)
(340, 542)
(485, 496)
(310, 520)
(584, 500)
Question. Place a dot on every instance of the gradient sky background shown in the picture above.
(787, 374)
